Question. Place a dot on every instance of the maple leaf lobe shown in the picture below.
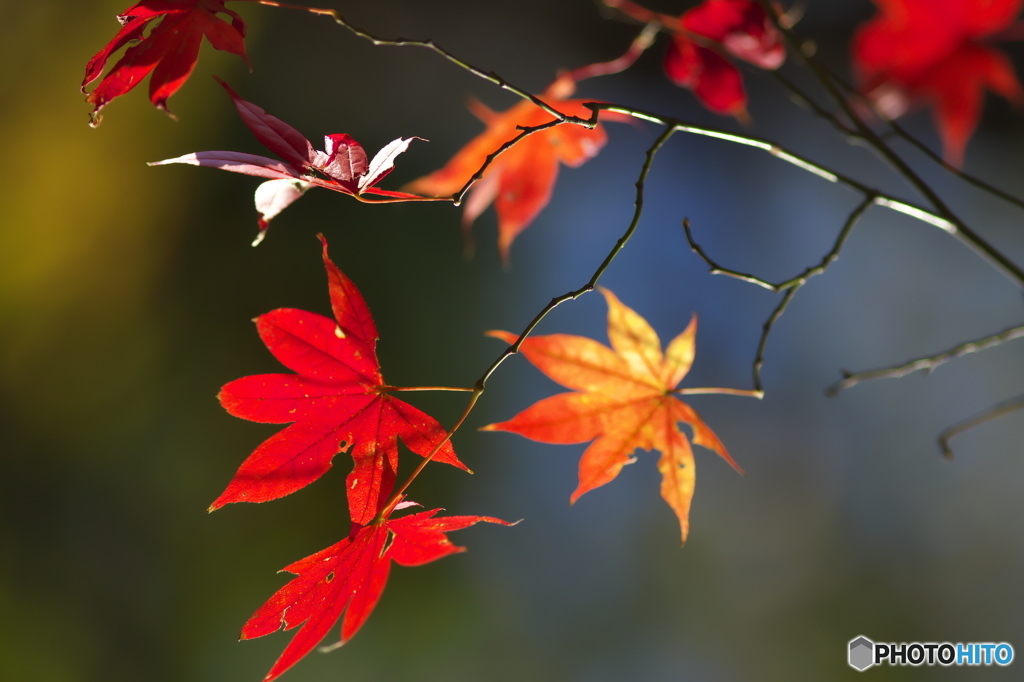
(519, 181)
(346, 580)
(622, 400)
(706, 36)
(335, 399)
(935, 53)
(167, 54)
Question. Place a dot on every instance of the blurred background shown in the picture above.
(126, 294)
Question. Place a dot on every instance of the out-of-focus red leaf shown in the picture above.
(741, 28)
(348, 578)
(715, 81)
(934, 52)
(169, 51)
(342, 167)
(336, 396)
(622, 399)
(519, 181)
(703, 39)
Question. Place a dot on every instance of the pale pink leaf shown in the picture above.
(384, 161)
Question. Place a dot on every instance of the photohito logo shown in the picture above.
(863, 653)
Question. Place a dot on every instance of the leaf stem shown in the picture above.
(399, 494)
(427, 388)
(746, 392)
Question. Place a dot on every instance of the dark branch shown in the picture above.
(999, 410)
(926, 363)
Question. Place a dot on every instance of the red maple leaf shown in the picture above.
(702, 39)
(170, 49)
(933, 52)
(337, 395)
(520, 181)
(342, 167)
(622, 399)
(348, 578)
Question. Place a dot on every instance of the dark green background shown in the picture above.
(126, 294)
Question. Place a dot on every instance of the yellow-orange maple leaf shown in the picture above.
(622, 399)
(521, 179)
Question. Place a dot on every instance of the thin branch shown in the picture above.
(810, 103)
(904, 134)
(524, 131)
(950, 225)
(966, 177)
(766, 329)
(943, 216)
(928, 363)
(636, 48)
(433, 47)
(794, 282)
(639, 13)
(399, 494)
(481, 384)
(790, 286)
(999, 410)
(592, 284)
(960, 229)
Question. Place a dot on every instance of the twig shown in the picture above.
(905, 135)
(960, 229)
(809, 102)
(966, 177)
(999, 410)
(481, 384)
(636, 48)
(799, 280)
(524, 131)
(790, 286)
(928, 363)
(943, 218)
(589, 286)
(433, 47)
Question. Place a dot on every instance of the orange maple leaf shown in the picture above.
(622, 399)
(521, 179)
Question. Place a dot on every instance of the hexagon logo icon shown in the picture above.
(861, 653)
